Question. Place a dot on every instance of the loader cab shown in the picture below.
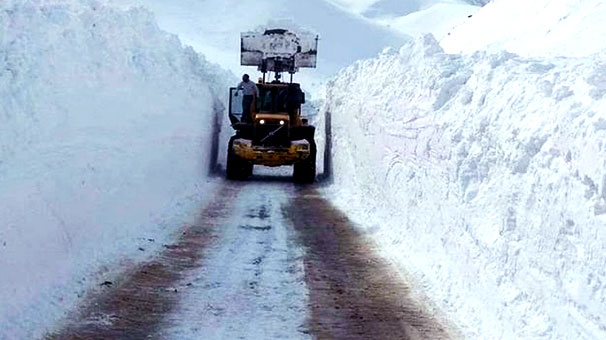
(274, 98)
(274, 113)
(281, 98)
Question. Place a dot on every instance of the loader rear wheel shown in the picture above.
(248, 169)
(236, 167)
(305, 170)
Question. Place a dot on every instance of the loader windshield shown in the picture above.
(270, 100)
(273, 99)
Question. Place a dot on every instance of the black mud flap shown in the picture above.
(302, 132)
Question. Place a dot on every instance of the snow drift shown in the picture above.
(484, 176)
(533, 28)
(105, 130)
(344, 38)
(395, 8)
(438, 20)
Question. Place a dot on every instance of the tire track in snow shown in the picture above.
(354, 294)
(136, 306)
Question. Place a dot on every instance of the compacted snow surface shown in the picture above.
(252, 286)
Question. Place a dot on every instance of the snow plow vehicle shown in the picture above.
(271, 131)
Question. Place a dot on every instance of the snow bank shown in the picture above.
(105, 129)
(534, 28)
(484, 176)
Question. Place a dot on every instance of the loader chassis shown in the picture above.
(275, 134)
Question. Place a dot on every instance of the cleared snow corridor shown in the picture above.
(468, 190)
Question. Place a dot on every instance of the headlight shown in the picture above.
(282, 122)
(262, 121)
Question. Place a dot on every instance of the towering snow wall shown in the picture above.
(485, 177)
(105, 139)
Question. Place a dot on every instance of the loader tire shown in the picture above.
(236, 167)
(304, 172)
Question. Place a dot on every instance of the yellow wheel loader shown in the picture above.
(275, 134)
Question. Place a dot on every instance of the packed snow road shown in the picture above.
(265, 260)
